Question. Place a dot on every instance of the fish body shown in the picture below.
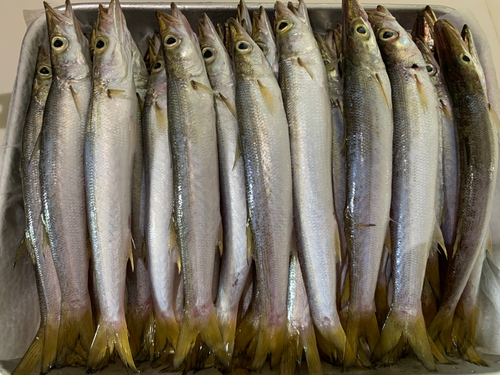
(414, 184)
(49, 292)
(266, 150)
(304, 87)
(369, 126)
(263, 35)
(62, 176)
(478, 163)
(111, 141)
(161, 253)
(193, 138)
(236, 261)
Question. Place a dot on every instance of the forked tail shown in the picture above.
(362, 327)
(464, 333)
(166, 334)
(227, 324)
(108, 338)
(141, 324)
(401, 328)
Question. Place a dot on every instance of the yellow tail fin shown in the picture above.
(32, 356)
(464, 333)
(269, 341)
(108, 339)
(165, 336)
(401, 328)
(74, 327)
(332, 342)
(141, 325)
(227, 324)
(362, 327)
(206, 326)
(246, 336)
(441, 328)
(49, 353)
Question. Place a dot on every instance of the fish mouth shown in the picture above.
(354, 11)
(380, 15)
(206, 28)
(282, 11)
(56, 19)
(175, 22)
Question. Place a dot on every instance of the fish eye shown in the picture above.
(326, 62)
(100, 44)
(430, 69)
(361, 30)
(157, 66)
(387, 35)
(59, 43)
(465, 58)
(172, 41)
(44, 71)
(208, 54)
(284, 26)
(243, 47)
(264, 48)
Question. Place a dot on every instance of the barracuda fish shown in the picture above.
(162, 255)
(191, 116)
(263, 35)
(478, 161)
(369, 126)
(49, 292)
(304, 87)
(140, 320)
(299, 335)
(243, 17)
(236, 259)
(266, 150)
(415, 175)
(62, 176)
(111, 141)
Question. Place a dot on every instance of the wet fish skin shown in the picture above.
(236, 261)
(414, 184)
(49, 292)
(111, 141)
(62, 176)
(263, 35)
(369, 126)
(265, 144)
(304, 87)
(191, 116)
(478, 162)
(161, 255)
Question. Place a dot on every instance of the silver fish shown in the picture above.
(266, 154)
(414, 189)
(304, 85)
(369, 125)
(263, 35)
(62, 175)
(110, 145)
(192, 127)
(162, 255)
(477, 130)
(49, 292)
(236, 260)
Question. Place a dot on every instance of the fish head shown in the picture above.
(262, 33)
(43, 74)
(180, 44)
(327, 53)
(293, 33)
(359, 46)
(423, 28)
(432, 65)
(212, 47)
(246, 53)
(69, 49)
(112, 49)
(458, 63)
(158, 75)
(396, 45)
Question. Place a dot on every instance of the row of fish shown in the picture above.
(257, 191)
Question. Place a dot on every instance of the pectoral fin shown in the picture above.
(269, 99)
(304, 65)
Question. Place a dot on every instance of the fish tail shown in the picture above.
(166, 334)
(227, 324)
(246, 337)
(381, 302)
(441, 328)
(362, 326)
(32, 356)
(205, 325)
(270, 340)
(332, 342)
(75, 326)
(49, 353)
(141, 325)
(295, 342)
(401, 328)
(110, 337)
(464, 334)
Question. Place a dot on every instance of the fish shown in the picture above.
(266, 149)
(299, 335)
(477, 129)
(111, 141)
(263, 35)
(243, 17)
(304, 86)
(197, 218)
(49, 291)
(423, 28)
(369, 126)
(236, 259)
(414, 184)
(140, 320)
(62, 176)
(162, 254)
